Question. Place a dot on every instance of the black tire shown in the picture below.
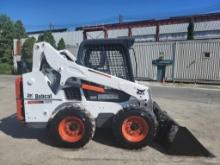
(77, 113)
(117, 128)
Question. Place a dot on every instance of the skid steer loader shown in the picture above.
(71, 97)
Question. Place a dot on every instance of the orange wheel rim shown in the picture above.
(135, 128)
(71, 129)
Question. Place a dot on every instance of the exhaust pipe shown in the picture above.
(175, 139)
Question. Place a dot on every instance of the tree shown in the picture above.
(6, 43)
(40, 38)
(27, 51)
(8, 31)
(190, 34)
(48, 37)
(61, 44)
(19, 30)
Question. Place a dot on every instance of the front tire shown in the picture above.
(72, 127)
(133, 128)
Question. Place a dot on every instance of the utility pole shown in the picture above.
(120, 18)
(51, 26)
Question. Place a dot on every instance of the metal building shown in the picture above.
(171, 58)
(174, 28)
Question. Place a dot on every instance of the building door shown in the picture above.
(161, 69)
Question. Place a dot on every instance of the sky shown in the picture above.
(38, 14)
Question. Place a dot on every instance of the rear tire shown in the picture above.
(72, 127)
(133, 128)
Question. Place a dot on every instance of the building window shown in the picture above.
(206, 55)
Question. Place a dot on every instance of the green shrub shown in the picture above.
(27, 51)
(61, 44)
(5, 68)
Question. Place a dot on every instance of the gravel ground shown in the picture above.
(197, 109)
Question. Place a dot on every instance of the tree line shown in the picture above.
(10, 30)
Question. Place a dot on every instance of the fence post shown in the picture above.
(174, 47)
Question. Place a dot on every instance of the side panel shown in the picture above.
(39, 100)
(97, 107)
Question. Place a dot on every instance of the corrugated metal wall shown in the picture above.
(173, 28)
(194, 61)
(146, 53)
(192, 64)
(144, 30)
(117, 33)
(95, 35)
(207, 25)
(144, 33)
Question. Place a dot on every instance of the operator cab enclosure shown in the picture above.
(107, 55)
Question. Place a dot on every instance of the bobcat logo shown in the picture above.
(42, 96)
(30, 95)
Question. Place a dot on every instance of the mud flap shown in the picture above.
(175, 139)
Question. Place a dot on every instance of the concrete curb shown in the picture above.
(175, 85)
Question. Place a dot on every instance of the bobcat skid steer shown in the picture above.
(71, 97)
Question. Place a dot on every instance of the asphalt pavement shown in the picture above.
(209, 96)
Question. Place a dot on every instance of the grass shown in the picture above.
(5, 68)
